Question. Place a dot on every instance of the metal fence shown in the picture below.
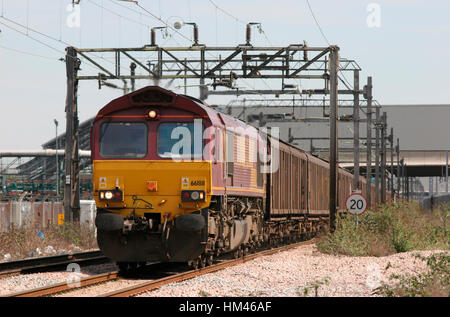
(42, 214)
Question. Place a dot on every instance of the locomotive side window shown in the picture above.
(180, 140)
(123, 140)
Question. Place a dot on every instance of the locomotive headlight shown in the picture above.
(195, 195)
(108, 195)
(152, 114)
(115, 194)
(192, 195)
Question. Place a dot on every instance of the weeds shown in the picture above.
(305, 291)
(21, 242)
(204, 293)
(392, 228)
(434, 282)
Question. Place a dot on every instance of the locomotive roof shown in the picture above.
(152, 96)
(158, 96)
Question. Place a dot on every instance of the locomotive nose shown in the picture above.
(144, 188)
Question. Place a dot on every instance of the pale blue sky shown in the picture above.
(407, 55)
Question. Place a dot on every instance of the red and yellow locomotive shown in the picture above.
(175, 180)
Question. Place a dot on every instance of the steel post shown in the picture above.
(377, 155)
(334, 66)
(430, 186)
(356, 129)
(71, 159)
(391, 139)
(369, 140)
(383, 157)
(397, 148)
(446, 171)
(57, 161)
(407, 183)
(437, 185)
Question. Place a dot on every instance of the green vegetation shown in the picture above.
(434, 282)
(306, 290)
(392, 228)
(203, 293)
(20, 242)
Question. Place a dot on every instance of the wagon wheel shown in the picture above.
(236, 254)
(194, 264)
(202, 261)
(209, 260)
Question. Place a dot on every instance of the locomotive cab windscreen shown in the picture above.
(123, 140)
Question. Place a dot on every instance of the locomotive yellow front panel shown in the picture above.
(167, 187)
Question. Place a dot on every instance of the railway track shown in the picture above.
(64, 286)
(154, 283)
(50, 263)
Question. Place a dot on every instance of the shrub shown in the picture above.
(20, 242)
(434, 282)
(391, 228)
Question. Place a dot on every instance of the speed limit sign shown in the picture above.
(356, 204)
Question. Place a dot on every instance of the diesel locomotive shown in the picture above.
(175, 180)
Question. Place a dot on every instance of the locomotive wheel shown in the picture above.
(123, 266)
(236, 254)
(133, 265)
(141, 264)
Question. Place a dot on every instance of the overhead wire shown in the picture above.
(40, 42)
(34, 39)
(28, 53)
(344, 80)
(317, 22)
(44, 35)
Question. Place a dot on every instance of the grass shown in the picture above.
(435, 282)
(392, 228)
(20, 242)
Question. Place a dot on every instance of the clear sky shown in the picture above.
(403, 44)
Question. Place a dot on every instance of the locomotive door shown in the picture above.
(229, 154)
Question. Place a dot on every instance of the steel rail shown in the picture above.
(152, 285)
(48, 263)
(65, 286)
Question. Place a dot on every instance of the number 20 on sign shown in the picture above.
(356, 204)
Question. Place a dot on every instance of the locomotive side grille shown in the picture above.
(152, 96)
